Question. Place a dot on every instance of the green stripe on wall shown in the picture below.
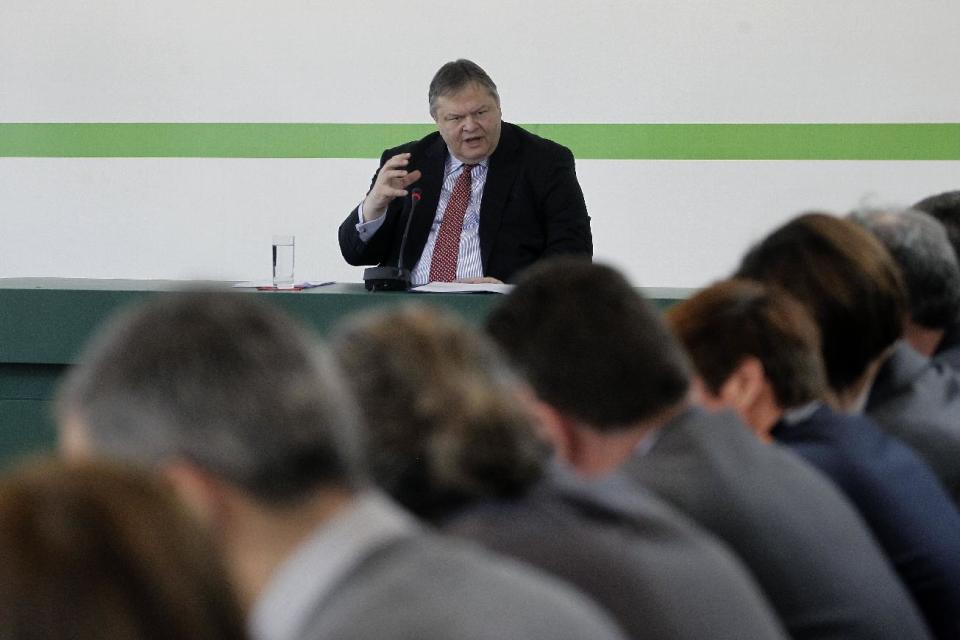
(588, 141)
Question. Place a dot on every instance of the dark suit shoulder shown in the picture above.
(529, 142)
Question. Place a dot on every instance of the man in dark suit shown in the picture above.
(249, 418)
(613, 386)
(757, 351)
(494, 197)
(854, 289)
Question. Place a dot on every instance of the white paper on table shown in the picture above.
(258, 284)
(462, 287)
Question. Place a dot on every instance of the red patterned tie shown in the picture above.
(443, 264)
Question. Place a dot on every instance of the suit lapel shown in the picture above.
(501, 173)
(432, 166)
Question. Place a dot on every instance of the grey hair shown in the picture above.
(226, 382)
(921, 248)
(454, 76)
(945, 207)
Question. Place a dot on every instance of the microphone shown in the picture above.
(394, 278)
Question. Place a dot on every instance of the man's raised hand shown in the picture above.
(392, 182)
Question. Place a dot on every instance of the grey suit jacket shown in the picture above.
(424, 587)
(804, 543)
(918, 400)
(659, 575)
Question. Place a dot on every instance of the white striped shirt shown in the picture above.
(469, 264)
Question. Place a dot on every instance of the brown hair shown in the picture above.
(590, 344)
(444, 424)
(94, 550)
(735, 319)
(845, 278)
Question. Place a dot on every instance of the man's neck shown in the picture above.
(599, 453)
(923, 339)
(260, 537)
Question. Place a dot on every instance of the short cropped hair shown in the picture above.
(945, 207)
(921, 248)
(847, 281)
(734, 319)
(97, 551)
(226, 382)
(590, 344)
(456, 75)
(446, 425)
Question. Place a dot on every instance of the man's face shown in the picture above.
(469, 122)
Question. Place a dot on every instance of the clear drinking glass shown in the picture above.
(283, 258)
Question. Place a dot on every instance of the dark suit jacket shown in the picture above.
(918, 401)
(655, 571)
(532, 206)
(807, 547)
(902, 501)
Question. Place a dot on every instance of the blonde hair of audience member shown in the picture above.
(98, 550)
(463, 433)
(755, 350)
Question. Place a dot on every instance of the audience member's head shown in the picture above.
(755, 350)
(103, 551)
(446, 425)
(920, 247)
(592, 348)
(945, 207)
(237, 404)
(223, 382)
(590, 344)
(850, 285)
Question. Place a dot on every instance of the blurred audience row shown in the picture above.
(777, 456)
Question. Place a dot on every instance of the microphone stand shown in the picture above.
(393, 278)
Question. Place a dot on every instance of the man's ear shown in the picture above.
(205, 495)
(744, 386)
(552, 425)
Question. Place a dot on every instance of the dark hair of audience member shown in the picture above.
(98, 551)
(736, 319)
(945, 207)
(226, 382)
(919, 245)
(446, 426)
(845, 278)
(562, 315)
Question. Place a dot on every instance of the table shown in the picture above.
(45, 323)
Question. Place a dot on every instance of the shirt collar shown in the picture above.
(453, 163)
(309, 574)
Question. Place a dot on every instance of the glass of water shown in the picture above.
(283, 250)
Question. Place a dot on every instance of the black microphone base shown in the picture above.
(386, 279)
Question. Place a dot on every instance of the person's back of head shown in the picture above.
(220, 381)
(735, 321)
(847, 281)
(921, 248)
(445, 424)
(107, 552)
(591, 346)
(945, 207)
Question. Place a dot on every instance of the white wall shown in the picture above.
(676, 223)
